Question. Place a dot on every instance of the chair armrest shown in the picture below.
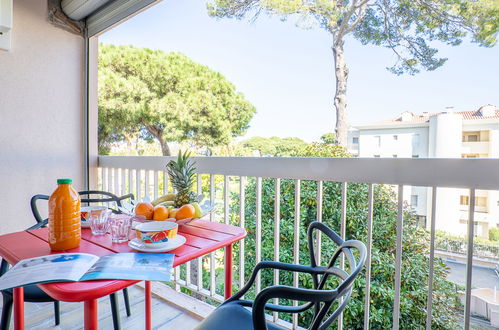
(274, 265)
(41, 224)
(34, 208)
(118, 201)
(287, 292)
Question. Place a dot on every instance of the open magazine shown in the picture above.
(71, 267)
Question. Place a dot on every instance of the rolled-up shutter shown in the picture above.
(79, 9)
(114, 12)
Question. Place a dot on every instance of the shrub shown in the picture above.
(494, 234)
(414, 258)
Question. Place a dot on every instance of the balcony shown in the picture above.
(478, 147)
(254, 193)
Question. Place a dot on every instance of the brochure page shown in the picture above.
(132, 266)
(51, 268)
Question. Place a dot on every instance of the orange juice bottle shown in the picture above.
(64, 217)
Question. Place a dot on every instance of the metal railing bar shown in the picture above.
(137, 185)
(123, 181)
(469, 260)
(165, 182)
(398, 257)
(226, 199)
(343, 228)
(156, 185)
(242, 225)
(130, 182)
(433, 219)
(277, 235)
(199, 278)
(104, 179)
(369, 243)
(296, 244)
(318, 242)
(110, 172)
(147, 175)
(212, 254)
(258, 230)
(116, 181)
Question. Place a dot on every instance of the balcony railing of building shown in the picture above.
(146, 176)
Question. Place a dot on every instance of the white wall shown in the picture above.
(41, 112)
(402, 147)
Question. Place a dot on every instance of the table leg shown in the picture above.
(228, 271)
(148, 305)
(19, 308)
(91, 320)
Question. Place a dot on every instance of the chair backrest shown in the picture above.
(86, 197)
(347, 275)
(97, 196)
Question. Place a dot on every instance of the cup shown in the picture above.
(99, 222)
(156, 233)
(119, 227)
(86, 211)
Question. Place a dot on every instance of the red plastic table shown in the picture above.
(202, 237)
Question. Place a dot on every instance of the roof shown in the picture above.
(425, 117)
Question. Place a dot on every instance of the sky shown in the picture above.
(286, 71)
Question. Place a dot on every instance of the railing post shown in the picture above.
(398, 257)
(469, 260)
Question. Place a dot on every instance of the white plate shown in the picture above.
(174, 243)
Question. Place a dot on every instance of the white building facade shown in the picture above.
(467, 134)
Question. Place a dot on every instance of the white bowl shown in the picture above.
(156, 233)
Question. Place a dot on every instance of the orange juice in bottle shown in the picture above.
(64, 217)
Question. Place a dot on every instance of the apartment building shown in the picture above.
(448, 134)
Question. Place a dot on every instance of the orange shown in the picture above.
(186, 211)
(160, 213)
(144, 209)
(173, 212)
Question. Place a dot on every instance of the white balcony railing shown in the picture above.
(146, 176)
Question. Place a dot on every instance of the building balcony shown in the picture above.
(256, 193)
(479, 147)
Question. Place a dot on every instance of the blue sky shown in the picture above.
(287, 72)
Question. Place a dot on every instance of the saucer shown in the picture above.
(173, 243)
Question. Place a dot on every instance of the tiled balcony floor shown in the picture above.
(165, 316)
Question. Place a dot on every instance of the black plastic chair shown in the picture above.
(33, 293)
(234, 314)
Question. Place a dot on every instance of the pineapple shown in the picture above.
(182, 175)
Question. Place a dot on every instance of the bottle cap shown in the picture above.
(64, 181)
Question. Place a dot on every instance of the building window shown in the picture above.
(481, 201)
(377, 141)
(414, 200)
(472, 138)
(395, 137)
(415, 156)
(376, 156)
(415, 141)
(395, 156)
(355, 140)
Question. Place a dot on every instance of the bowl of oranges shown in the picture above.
(154, 211)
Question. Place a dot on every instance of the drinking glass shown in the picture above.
(119, 225)
(99, 222)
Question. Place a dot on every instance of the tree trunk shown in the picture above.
(164, 147)
(340, 96)
(158, 134)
